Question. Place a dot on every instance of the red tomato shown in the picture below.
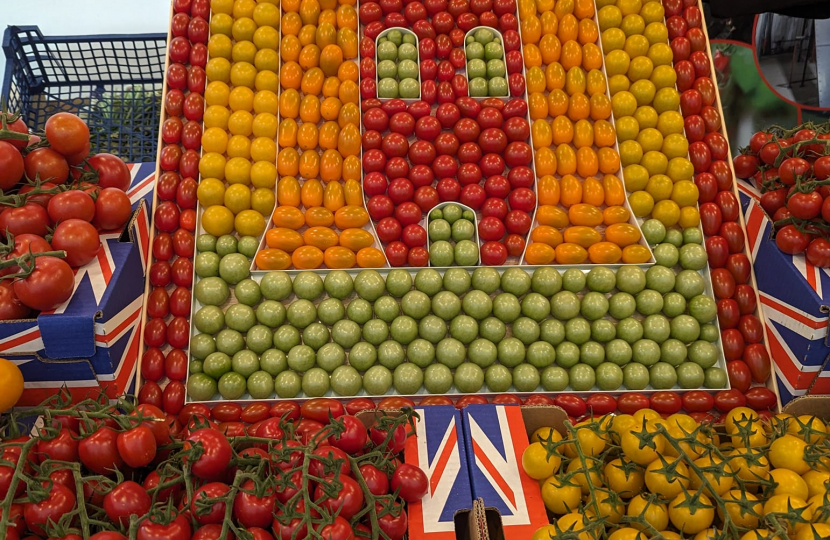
(631, 402)
(111, 171)
(698, 401)
(600, 404)
(126, 499)
(216, 453)
(739, 376)
(410, 482)
(746, 165)
(760, 398)
(59, 501)
(46, 164)
(79, 239)
(48, 286)
(733, 344)
(726, 400)
(177, 529)
(99, 451)
(319, 409)
(112, 209)
(572, 404)
(137, 446)
(666, 402)
(818, 252)
(790, 240)
(67, 134)
(353, 438)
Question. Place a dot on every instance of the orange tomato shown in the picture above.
(588, 32)
(614, 190)
(563, 130)
(545, 234)
(312, 193)
(545, 161)
(558, 102)
(333, 196)
(531, 30)
(571, 190)
(351, 168)
(585, 214)
(550, 25)
(537, 106)
(568, 253)
(586, 162)
(551, 48)
(592, 191)
(552, 216)
(288, 162)
(568, 28)
(350, 217)
(353, 193)
(328, 134)
(288, 133)
(289, 217)
(565, 159)
(579, 107)
(348, 142)
(538, 253)
(339, 257)
(307, 258)
(320, 237)
(604, 253)
(583, 133)
(319, 216)
(331, 166)
(532, 55)
(604, 134)
(584, 9)
(609, 160)
(615, 214)
(309, 166)
(370, 257)
(591, 55)
(571, 55)
(540, 132)
(582, 236)
(635, 254)
(349, 114)
(288, 192)
(283, 238)
(273, 259)
(307, 136)
(548, 189)
(622, 234)
(600, 107)
(356, 239)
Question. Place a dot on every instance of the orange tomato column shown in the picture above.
(319, 220)
(583, 214)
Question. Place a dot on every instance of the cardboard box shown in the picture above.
(792, 294)
(496, 437)
(90, 343)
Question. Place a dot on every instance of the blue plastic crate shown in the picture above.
(113, 82)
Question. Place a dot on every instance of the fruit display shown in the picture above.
(453, 236)
(397, 64)
(57, 200)
(640, 475)
(486, 69)
(112, 472)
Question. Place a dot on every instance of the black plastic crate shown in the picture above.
(113, 82)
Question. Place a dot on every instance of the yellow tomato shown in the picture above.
(210, 192)
(538, 463)
(217, 220)
(688, 518)
(788, 452)
(560, 497)
(623, 477)
(11, 381)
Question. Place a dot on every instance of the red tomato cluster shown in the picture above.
(742, 332)
(167, 331)
(440, 26)
(322, 437)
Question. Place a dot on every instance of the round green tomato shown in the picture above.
(233, 268)
(345, 333)
(450, 352)
(363, 356)
(541, 354)
(338, 284)
(594, 306)
(526, 378)
(649, 302)
(609, 377)
(582, 377)
(301, 313)
(359, 311)
(646, 352)
(271, 313)
(546, 281)
(273, 362)
(438, 230)
(391, 354)
(660, 279)
(479, 305)
(674, 237)
(457, 280)
(703, 308)
(554, 379)
(703, 353)
(673, 352)
(247, 292)
(404, 329)
(515, 281)
(631, 279)
(229, 341)
(386, 309)
(656, 328)
(690, 375)
(635, 376)
(205, 242)
(416, 304)
(375, 332)
(709, 332)
(662, 376)
(420, 352)
(408, 379)
(567, 354)
(201, 345)
(428, 281)
(622, 305)
(286, 337)
(301, 358)
(275, 286)
(437, 379)
(535, 306)
(666, 255)
(506, 307)
(714, 378)
(685, 328)
(653, 230)
(260, 385)
(578, 331)
(591, 353)
(492, 329)
(287, 384)
(498, 378)
(201, 387)
(346, 381)
(464, 329)
(486, 279)
(468, 378)
(692, 235)
(446, 305)
(207, 264)
(195, 366)
(216, 364)
(232, 386)
(603, 330)
(526, 330)
(369, 285)
(574, 280)
(315, 382)
(330, 310)
(629, 330)
(226, 244)
(211, 291)
(693, 257)
(690, 284)
(398, 282)
(482, 352)
(432, 328)
(552, 331)
(601, 279)
(618, 352)
(564, 305)
(511, 352)
(245, 362)
(248, 246)
(308, 285)
(240, 317)
(331, 356)
(673, 304)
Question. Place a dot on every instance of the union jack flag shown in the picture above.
(496, 438)
(438, 449)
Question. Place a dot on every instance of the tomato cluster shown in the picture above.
(277, 471)
(742, 332)
(174, 217)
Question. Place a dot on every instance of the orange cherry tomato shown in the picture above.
(350, 217)
(283, 238)
(615, 214)
(311, 193)
(592, 191)
(545, 160)
(609, 160)
(538, 253)
(353, 193)
(563, 130)
(273, 259)
(585, 214)
(604, 134)
(339, 257)
(320, 237)
(356, 239)
(351, 168)
(614, 190)
(307, 258)
(622, 234)
(586, 162)
(568, 253)
(319, 217)
(331, 166)
(604, 253)
(333, 196)
(545, 234)
(565, 159)
(548, 188)
(571, 190)
(370, 257)
(635, 254)
(288, 192)
(582, 236)
(289, 217)
(552, 216)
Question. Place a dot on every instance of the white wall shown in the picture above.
(85, 17)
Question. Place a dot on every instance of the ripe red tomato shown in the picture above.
(631, 402)
(758, 361)
(751, 329)
(733, 344)
(790, 169)
(746, 165)
(46, 164)
(414, 236)
(127, 498)
(805, 205)
(818, 252)
(698, 401)
(99, 451)
(112, 171)
(726, 400)
(491, 229)
(515, 244)
(72, 204)
(67, 134)
(112, 209)
(493, 253)
(79, 239)
(410, 481)
(700, 156)
(790, 240)
(48, 286)
(739, 377)
(216, 453)
(59, 501)
(665, 402)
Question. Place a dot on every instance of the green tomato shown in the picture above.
(428, 281)
(656, 328)
(492, 329)
(338, 284)
(248, 246)
(387, 88)
(363, 356)
(308, 285)
(567, 354)
(260, 385)
(464, 329)
(245, 362)
(693, 257)
(301, 313)
(582, 377)
(391, 354)
(301, 358)
(591, 353)
(574, 280)
(205, 242)
(407, 69)
(482, 352)
(232, 386)
(409, 88)
(526, 378)
(407, 379)
(552, 331)
(703, 354)
(468, 378)
(359, 311)
(645, 351)
(416, 304)
(660, 279)
(498, 378)
(690, 375)
(375, 332)
(666, 255)
(439, 229)
(546, 281)
(631, 279)
(202, 345)
(535, 306)
(709, 332)
(287, 384)
(578, 331)
(506, 307)
(240, 317)
(450, 352)
(211, 291)
(387, 51)
(478, 86)
(603, 330)
(685, 328)
(474, 50)
(515, 281)
(398, 282)
(233, 268)
(441, 254)
(564, 305)
(635, 376)
(703, 308)
(200, 387)
(330, 356)
(404, 329)
(330, 310)
(526, 330)
(477, 68)
(662, 376)
(493, 50)
(229, 341)
(594, 306)
(554, 379)
(541, 354)
(497, 85)
(601, 279)
(674, 304)
(207, 264)
(618, 352)
(437, 379)
(690, 284)
(226, 244)
(609, 377)
(273, 362)
(315, 382)
(673, 352)
(420, 352)
(446, 305)
(714, 378)
(649, 302)
(271, 313)
(457, 281)
(432, 328)
(346, 381)
(195, 366)
(369, 285)
(511, 352)
(345, 333)
(653, 230)
(462, 230)
(486, 279)
(216, 364)
(286, 337)
(629, 330)
(692, 235)
(674, 237)
(247, 292)
(622, 305)
(386, 309)
(479, 305)
(316, 335)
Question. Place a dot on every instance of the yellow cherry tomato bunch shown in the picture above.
(632, 477)
(645, 106)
